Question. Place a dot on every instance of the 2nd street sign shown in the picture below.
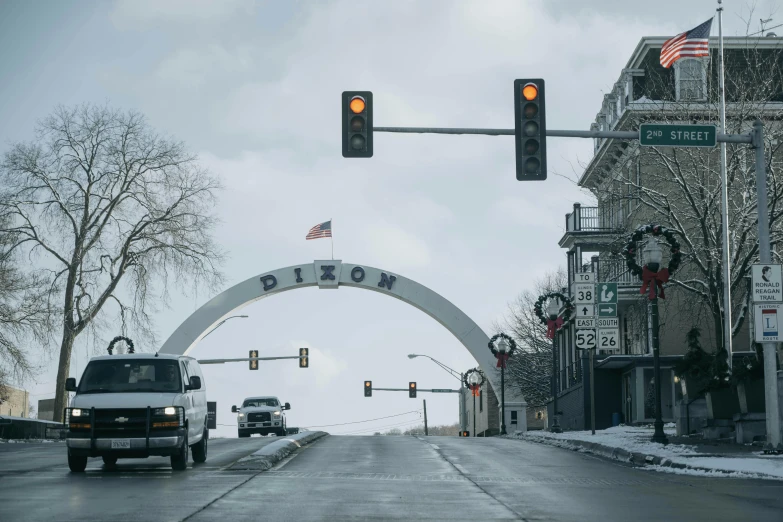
(655, 135)
(438, 390)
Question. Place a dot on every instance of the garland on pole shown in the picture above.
(502, 357)
(118, 339)
(647, 276)
(473, 387)
(553, 325)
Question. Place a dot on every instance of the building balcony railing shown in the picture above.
(616, 271)
(592, 219)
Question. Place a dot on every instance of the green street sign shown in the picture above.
(605, 293)
(655, 135)
(607, 310)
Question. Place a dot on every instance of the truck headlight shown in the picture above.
(241, 415)
(277, 413)
(76, 412)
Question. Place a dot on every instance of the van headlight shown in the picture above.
(169, 410)
(76, 412)
(277, 413)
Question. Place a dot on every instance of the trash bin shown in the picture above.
(616, 419)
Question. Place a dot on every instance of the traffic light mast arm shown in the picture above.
(551, 133)
(432, 390)
(221, 361)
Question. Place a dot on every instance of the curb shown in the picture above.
(632, 457)
(271, 454)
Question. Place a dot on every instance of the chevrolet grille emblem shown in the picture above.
(121, 419)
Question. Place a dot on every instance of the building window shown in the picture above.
(481, 400)
(691, 79)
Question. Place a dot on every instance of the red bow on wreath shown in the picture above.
(552, 326)
(502, 358)
(650, 278)
(475, 389)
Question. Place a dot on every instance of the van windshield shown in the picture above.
(255, 403)
(126, 376)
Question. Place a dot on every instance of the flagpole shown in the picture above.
(727, 322)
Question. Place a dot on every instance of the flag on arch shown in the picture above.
(690, 44)
(319, 231)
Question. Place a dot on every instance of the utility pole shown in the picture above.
(426, 432)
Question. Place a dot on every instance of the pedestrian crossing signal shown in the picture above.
(253, 364)
(304, 359)
(464, 434)
(368, 388)
(412, 390)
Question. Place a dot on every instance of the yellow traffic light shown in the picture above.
(253, 364)
(304, 361)
(368, 388)
(530, 92)
(357, 105)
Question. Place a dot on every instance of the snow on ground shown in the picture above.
(631, 438)
(637, 439)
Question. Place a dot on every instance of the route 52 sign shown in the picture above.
(585, 339)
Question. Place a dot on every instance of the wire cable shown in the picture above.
(359, 422)
(364, 430)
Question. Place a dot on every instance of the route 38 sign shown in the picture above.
(585, 339)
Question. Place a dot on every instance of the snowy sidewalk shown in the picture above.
(632, 444)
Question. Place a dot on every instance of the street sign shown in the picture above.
(655, 135)
(584, 293)
(585, 323)
(606, 293)
(585, 339)
(608, 323)
(768, 320)
(211, 415)
(441, 391)
(608, 338)
(607, 310)
(584, 277)
(767, 284)
(585, 311)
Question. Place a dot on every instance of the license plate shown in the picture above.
(120, 444)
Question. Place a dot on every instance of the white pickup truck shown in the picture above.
(262, 415)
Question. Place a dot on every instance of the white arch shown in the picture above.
(193, 329)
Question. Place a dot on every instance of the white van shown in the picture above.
(136, 405)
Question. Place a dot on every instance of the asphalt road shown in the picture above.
(376, 478)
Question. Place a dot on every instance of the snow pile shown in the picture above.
(672, 458)
(630, 438)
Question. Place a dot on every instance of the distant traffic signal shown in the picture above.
(464, 434)
(530, 129)
(253, 364)
(357, 124)
(304, 359)
(368, 388)
(412, 390)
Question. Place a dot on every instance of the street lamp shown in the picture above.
(653, 254)
(456, 375)
(223, 321)
(503, 348)
(553, 310)
(474, 379)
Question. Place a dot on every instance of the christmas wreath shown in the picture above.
(502, 357)
(118, 339)
(473, 387)
(553, 325)
(648, 277)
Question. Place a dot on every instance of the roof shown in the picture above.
(261, 397)
(148, 355)
(729, 42)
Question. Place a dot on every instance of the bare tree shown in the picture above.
(531, 367)
(102, 199)
(23, 314)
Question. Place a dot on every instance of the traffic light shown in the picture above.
(412, 390)
(368, 388)
(357, 124)
(304, 359)
(464, 434)
(253, 364)
(530, 129)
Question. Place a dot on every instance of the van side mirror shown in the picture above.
(195, 383)
(233, 409)
(287, 406)
(70, 384)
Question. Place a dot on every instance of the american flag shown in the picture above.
(690, 44)
(319, 231)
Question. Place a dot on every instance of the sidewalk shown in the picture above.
(684, 455)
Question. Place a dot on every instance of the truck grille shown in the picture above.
(263, 416)
(121, 419)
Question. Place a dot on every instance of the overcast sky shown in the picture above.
(254, 89)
